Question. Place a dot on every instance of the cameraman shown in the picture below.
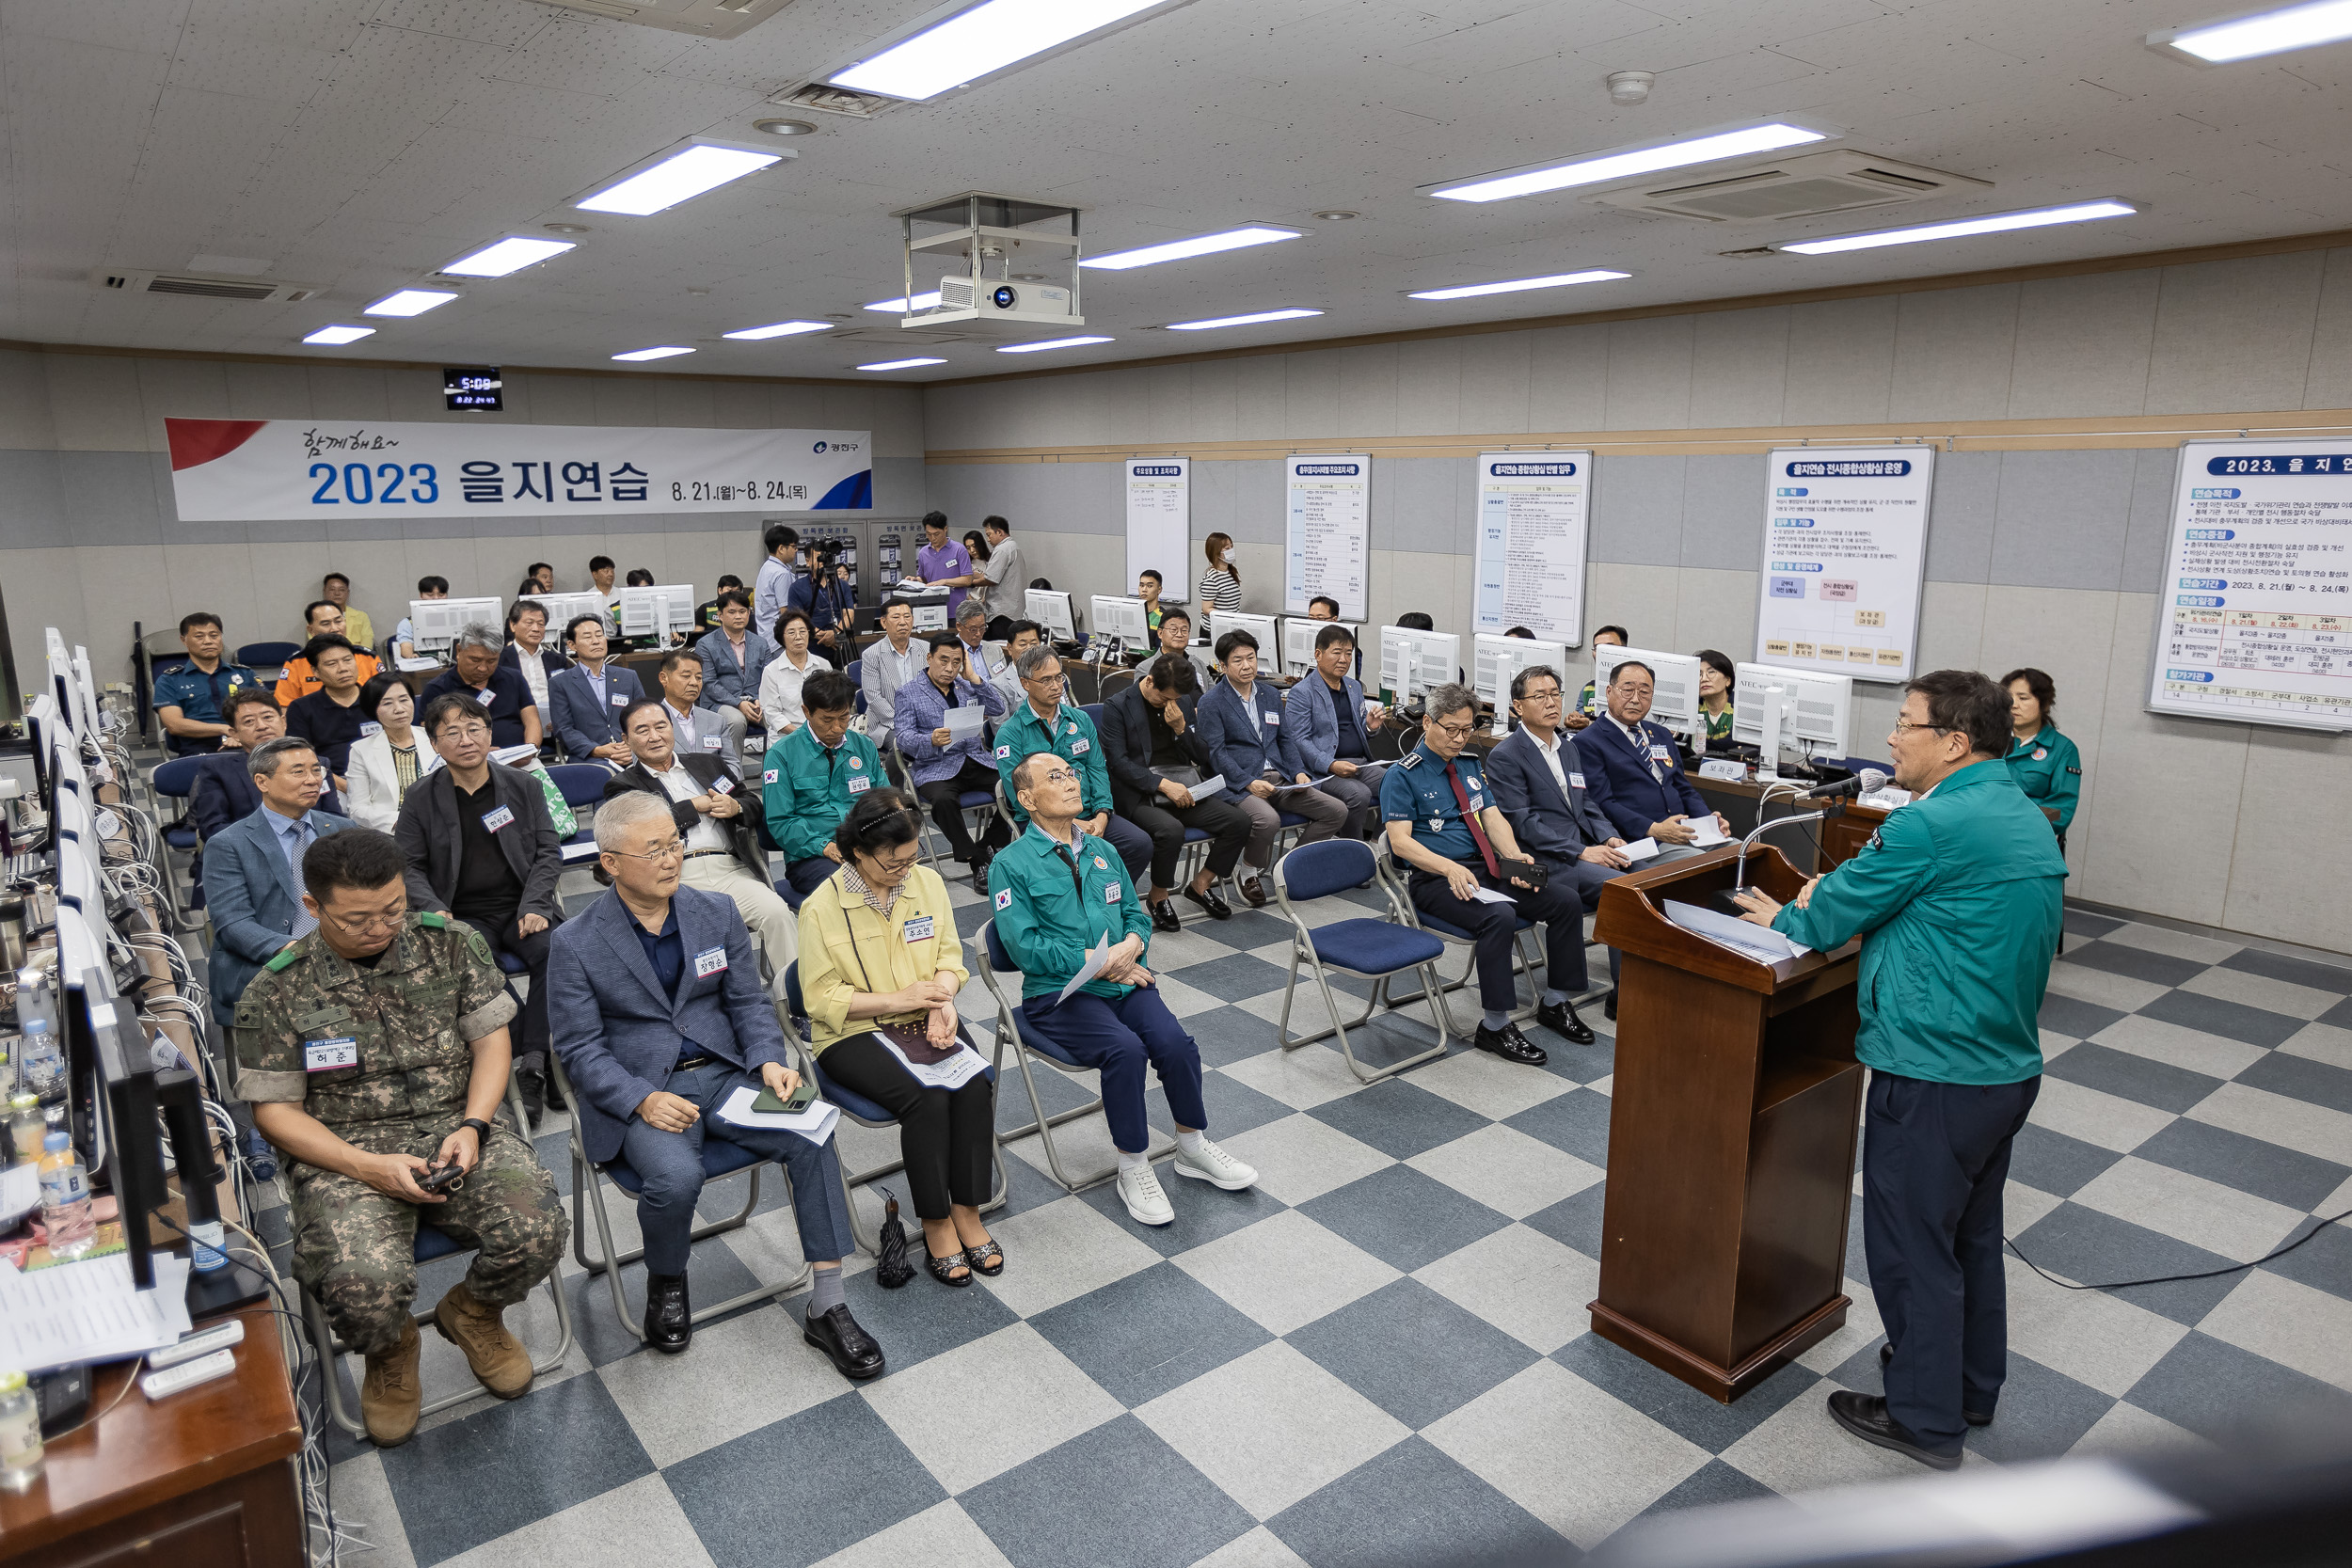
(831, 600)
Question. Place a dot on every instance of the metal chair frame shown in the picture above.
(1524, 959)
(1302, 947)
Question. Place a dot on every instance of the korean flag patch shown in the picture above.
(1003, 898)
(1003, 752)
(769, 777)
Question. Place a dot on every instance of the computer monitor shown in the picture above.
(659, 610)
(434, 623)
(1263, 628)
(1298, 642)
(563, 609)
(1673, 702)
(1112, 615)
(1811, 710)
(1050, 608)
(1412, 661)
(86, 696)
(1494, 658)
(61, 680)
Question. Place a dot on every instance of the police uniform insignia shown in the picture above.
(1411, 759)
(1437, 824)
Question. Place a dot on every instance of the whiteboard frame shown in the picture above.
(1176, 574)
(1920, 579)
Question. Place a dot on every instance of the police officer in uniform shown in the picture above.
(1956, 898)
(373, 1048)
(1443, 824)
(191, 698)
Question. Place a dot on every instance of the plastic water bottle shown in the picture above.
(65, 1210)
(41, 1064)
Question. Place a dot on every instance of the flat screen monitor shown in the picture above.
(1494, 658)
(1675, 703)
(434, 623)
(1816, 707)
(563, 609)
(1263, 628)
(1115, 616)
(1050, 608)
(1412, 661)
(1298, 642)
(659, 610)
(61, 680)
(86, 696)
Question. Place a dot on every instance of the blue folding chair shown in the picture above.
(1370, 949)
(582, 784)
(856, 672)
(275, 655)
(177, 779)
(1522, 961)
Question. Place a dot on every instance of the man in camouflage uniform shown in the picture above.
(373, 1048)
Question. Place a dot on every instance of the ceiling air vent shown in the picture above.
(197, 285)
(827, 100)
(1791, 188)
(703, 19)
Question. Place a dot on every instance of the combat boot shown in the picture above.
(497, 1357)
(390, 1395)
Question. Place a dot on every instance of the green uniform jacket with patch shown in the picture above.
(1070, 738)
(2050, 771)
(804, 790)
(1047, 919)
(1956, 898)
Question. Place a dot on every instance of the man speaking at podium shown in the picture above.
(1956, 898)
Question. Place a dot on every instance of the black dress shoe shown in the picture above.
(535, 1087)
(669, 1318)
(852, 1350)
(553, 1093)
(1211, 903)
(1164, 916)
(1509, 1044)
(1609, 1008)
(1561, 1019)
(1866, 1417)
(1974, 1418)
(980, 874)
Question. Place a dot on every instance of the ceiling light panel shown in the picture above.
(1056, 343)
(410, 302)
(1992, 223)
(667, 351)
(907, 307)
(1200, 245)
(1705, 147)
(1241, 321)
(959, 45)
(1560, 281)
(330, 336)
(777, 329)
(899, 364)
(2246, 37)
(508, 256)
(680, 175)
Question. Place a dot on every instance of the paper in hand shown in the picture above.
(1207, 788)
(1639, 850)
(962, 724)
(1709, 835)
(1098, 957)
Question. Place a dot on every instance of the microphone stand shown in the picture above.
(1739, 881)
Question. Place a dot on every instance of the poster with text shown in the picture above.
(2254, 615)
(1329, 533)
(1531, 510)
(1159, 524)
(1845, 552)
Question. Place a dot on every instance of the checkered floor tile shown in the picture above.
(1381, 1354)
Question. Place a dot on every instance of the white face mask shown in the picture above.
(1225, 560)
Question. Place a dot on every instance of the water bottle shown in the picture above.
(20, 1433)
(65, 1212)
(42, 1065)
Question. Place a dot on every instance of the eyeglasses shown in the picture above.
(1904, 726)
(1456, 732)
(1541, 694)
(1056, 775)
(667, 850)
(891, 866)
(367, 922)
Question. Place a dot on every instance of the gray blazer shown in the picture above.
(1545, 824)
(251, 893)
(429, 837)
(617, 1033)
(582, 722)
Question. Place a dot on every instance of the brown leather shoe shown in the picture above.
(1253, 890)
(498, 1358)
(390, 1395)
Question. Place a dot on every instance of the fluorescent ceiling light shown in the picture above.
(1630, 165)
(900, 364)
(2038, 217)
(1200, 245)
(409, 302)
(778, 329)
(340, 335)
(1056, 343)
(683, 175)
(664, 351)
(1241, 321)
(907, 307)
(2268, 33)
(1560, 281)
(979, 40)
(509, 255)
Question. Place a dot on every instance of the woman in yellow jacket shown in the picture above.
(880, 957)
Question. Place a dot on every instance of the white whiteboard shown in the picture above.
(2254, 611)
(1329, 531)
(1159, 523)
(1845, 554)
(1532, 514)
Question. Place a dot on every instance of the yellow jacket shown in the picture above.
(847, 948)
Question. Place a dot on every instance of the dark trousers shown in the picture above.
(808, 875)
(1225, 823)
(1117, 1039)
(1556, 906)
(506, 935)
(1586, 878)
(1133, 843)
(941, 796)
(946, 1135)
(1933, 1159)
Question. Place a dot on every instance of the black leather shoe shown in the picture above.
(1562, 1020)
(535, 1087)
(1509, 1044)
(852, 1350)
(1253, 889)
(1974, 1418)
(980, 874)
(1164, 916)
(1211, 903)
(669, 1318)
(1609, 1008)
(1866, 1417)
(553, 1093)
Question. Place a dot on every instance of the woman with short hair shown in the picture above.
(387, 759)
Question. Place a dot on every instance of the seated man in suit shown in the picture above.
(1152, 747)
(662, 1018)
(591, 696)
(1332, 725)
(253, 869)
(982, 664)
(1538, 777)
(942, 767)
(1241, 723)
(735, 653)
(1020, 636)
(224, 791)
(189, 695)
(813, 777)
(898, 660)
(482, 847)
(698, 724)
(713, 810)
(499, 694)
(1637, 777)
(1454, 840)
(330, 719)
(1046, 719)
(528, 654)
(1059, 895)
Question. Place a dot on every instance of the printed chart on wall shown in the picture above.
(2254, 616)
(1159, 523)
(1845, 549)
(1329, 531)
(1531, 509)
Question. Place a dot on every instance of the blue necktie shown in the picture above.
(294, 834)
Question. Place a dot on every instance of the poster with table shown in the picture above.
(1329, 540)
(1845, 553)
(1159, 524)
(2254, 611)
(1532, 512)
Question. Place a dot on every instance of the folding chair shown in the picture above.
(1029, 1039)
(1522, 961)
(1370, 949)
(177, 780)
(260, 657)
(582, 784)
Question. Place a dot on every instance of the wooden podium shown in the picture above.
(1737, 1105)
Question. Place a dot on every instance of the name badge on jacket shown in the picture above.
(919, 928)
(710, 742)
(709, 961)
(326, 1055)
(486, 697)
(1659, 753)
(620, 699)
(723, 784)
(859, 786)
(503, 817)
(1576, 781)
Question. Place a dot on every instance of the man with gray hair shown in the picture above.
(505, 698)
(252, 868)
(1045, 722)
(980, 667)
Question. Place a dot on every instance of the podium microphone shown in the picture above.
(1864, 783)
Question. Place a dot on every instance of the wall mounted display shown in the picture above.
(1159, 523)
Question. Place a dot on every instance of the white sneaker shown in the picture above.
(1214, 1166)
(1139, 1190)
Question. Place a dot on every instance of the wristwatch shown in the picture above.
(481, 1127)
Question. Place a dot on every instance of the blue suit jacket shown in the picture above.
(582, 722)
(1313, 723)
(1556, 827)
(224, 794)
(724, 678)
(249, 892)
(617, 1033)
(1618, 775)
(1236, 749)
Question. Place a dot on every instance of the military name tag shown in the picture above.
(710, 961)
(919, 928)
(326, 1055)
(859, 786)
(494, 820)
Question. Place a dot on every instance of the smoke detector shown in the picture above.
(1628, 88)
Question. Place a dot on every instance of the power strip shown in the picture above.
(202, 1343)
(161, 1385)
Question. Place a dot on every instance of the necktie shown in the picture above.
(304, 921)
(1470, 820)
(1641, 744)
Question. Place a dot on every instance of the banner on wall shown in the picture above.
(1329, 533)
(269, 470)
(1532, 511)
(1159, 523)
(1845, 554)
